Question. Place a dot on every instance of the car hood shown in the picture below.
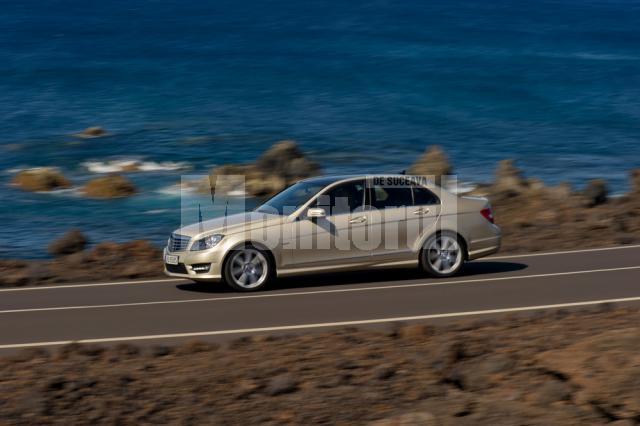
(231, 224)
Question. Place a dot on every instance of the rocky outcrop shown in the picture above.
(71, 242)
(595, 193)
(92, 132)
(635, 182)
(534, 216)
(105, 261)
(552, 368)
(280, 166)
(248, 178)
(41, 179)
(112, 186)
(509, 180)
(434, 162)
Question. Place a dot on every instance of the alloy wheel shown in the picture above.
(444, 254)
(249, 268)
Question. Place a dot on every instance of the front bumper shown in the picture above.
(186, 260)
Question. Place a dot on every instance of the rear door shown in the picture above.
(391, 204)
(424, 214)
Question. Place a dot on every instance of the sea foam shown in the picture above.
(133, 165)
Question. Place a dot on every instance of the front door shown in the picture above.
(338, 238)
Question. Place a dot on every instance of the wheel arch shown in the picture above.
(263, 248)
(463, 241)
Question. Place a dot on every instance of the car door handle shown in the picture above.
(359, 219)
(421, 211)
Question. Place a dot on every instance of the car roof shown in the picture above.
(330, 179)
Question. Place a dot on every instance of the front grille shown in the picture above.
(178, 242)
(176, 269)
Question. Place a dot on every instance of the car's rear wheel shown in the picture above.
(247, 268)
(442, 255)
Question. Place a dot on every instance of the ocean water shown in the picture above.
(363, 86)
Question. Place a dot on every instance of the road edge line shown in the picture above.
(320, 325)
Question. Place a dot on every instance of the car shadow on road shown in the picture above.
(369, 276)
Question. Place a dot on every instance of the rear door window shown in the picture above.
(424, 197)
(384, 197)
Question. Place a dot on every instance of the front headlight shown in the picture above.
(207, 242)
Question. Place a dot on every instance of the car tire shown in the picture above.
(248, 268)
(443, 254)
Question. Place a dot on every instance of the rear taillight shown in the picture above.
(487, 213)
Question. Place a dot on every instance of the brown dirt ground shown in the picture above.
(542, 369)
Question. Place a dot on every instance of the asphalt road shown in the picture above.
(168, 311)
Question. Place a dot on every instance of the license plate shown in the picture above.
(171, 260)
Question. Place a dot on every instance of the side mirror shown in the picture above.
(316, 212)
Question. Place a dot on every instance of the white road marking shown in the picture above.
(551, 253)
(168, 280)
(320, 325)
(56, 287)
(306, 293)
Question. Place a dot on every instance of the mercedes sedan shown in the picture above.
(337, 223)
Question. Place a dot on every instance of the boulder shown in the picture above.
(112, 186)
(560, 192)
(71, 242)
(595, 193)
(281, 384)
(286, 161)
(92, 132)
(434, 162)
(280, 166)
(40, 179)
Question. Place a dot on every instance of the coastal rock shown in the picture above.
(92, 132)
(71, 242)
(14, 273)
(112, 186)
(40, 179)
(107, 260)
(282, 165)
(18, 272)
(434, 162)
(635, 182)
(286, 161)
(509, 179)
(595, 193)
(560, 192)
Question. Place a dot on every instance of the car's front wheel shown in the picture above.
(247, 269)
(442, 255)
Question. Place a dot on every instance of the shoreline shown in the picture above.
(533, 218)
(532, 215)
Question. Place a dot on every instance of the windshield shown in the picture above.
(289, 200)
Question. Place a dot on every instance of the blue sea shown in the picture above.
(363, 86)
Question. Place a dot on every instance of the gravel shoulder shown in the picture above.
(550, 368)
